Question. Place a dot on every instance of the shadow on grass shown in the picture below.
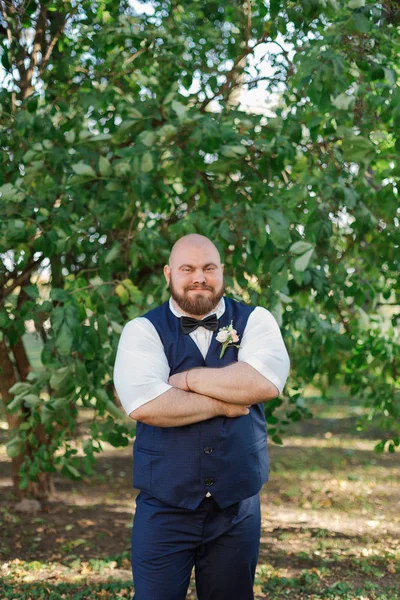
(66, 591)
(312, 458)
(346, 426)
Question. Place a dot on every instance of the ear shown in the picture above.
(167, 273)
(222, 267)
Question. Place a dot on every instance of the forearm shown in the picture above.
(238, 383)
(176, 408)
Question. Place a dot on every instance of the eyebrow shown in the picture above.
(204, 266)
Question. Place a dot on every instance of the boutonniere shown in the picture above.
(228, 337)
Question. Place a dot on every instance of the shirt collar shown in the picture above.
(219, 310)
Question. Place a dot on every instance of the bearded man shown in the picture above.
(194, 373)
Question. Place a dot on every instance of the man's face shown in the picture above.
(195, 278)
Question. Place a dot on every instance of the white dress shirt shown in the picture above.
(141, 369)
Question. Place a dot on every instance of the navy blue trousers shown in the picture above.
(221, 544)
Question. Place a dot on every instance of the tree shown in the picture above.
(119, 133)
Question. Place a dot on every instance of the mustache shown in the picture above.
(199, 287)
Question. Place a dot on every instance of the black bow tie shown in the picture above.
(188, 324)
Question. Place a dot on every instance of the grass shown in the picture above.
(330, 523)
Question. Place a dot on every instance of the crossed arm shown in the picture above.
(204, 393)
(141, 376)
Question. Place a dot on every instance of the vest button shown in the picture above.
(207, 450)
(209, 481)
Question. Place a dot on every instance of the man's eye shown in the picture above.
(210, 269)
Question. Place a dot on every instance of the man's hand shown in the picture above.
(179, 381)
(233, 410)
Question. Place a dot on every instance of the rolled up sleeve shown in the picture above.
(141, 368)
(263, 348)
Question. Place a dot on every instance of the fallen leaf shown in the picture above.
(391, 568)
(85, 523)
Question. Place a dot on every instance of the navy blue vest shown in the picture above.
(224, 456)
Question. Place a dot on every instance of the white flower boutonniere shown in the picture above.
(228, 337)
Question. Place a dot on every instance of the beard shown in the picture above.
(197, 304)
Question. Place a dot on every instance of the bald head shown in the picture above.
(195, 274)
(194, 242)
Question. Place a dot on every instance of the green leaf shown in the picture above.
(274, 8)
(357, 149)
(70, 136)
(113, 186)
(146, 164)
(284, 298)
(20, 388)
(361, 23)
(233, 151)
(302, 262)
(59, 378)
(59, 295)
(134, 113)
(122, 167)
(294, 131)
(10, 192)
(390, 75)
(100, 137)
(125, 127)
(105, 166)
(15, 404)
(396, 118)
(277, 439)
(344, 101)
(179, 109)
(112, 254)
(356, 4)
(114, 411)
(102, 328)
(279, 226)
(300, 247)
(116, 327)
(32, 400)
(148, 138)
(84, 170)
(167, 132)
(15, 447)
(70, 471)
(81, 374)
(134, 292)
(122, 293)
(32, 291)
(64, 340)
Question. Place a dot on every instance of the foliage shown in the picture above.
(122, 131)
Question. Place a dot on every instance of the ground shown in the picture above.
(330, 524)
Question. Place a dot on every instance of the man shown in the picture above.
(200, 455)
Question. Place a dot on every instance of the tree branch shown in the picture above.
(54, 41)
(31, 266)
(26, 82)
(5, 17)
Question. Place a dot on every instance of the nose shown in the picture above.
(199, 276)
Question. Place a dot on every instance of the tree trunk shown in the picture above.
(7, 380)
(43, 487)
